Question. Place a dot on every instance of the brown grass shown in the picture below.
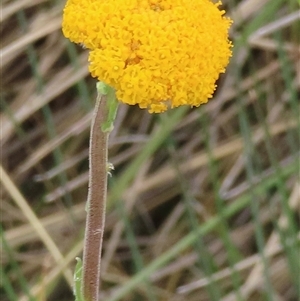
(242, 146)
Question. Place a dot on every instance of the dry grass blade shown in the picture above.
(35, 222)
(240, 151)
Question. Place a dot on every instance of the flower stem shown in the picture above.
(98, 170)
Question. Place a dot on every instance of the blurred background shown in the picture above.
(203, 203)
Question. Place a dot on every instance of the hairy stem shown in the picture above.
(96, 202)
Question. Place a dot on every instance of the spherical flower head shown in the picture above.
(154, 53)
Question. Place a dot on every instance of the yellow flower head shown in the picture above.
(155, 53)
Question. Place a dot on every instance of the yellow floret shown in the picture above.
(155, 53)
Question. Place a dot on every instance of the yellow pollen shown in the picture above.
(159, 54)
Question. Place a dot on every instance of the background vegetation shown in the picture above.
(203, 203)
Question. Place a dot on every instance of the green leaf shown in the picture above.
(78, 280)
